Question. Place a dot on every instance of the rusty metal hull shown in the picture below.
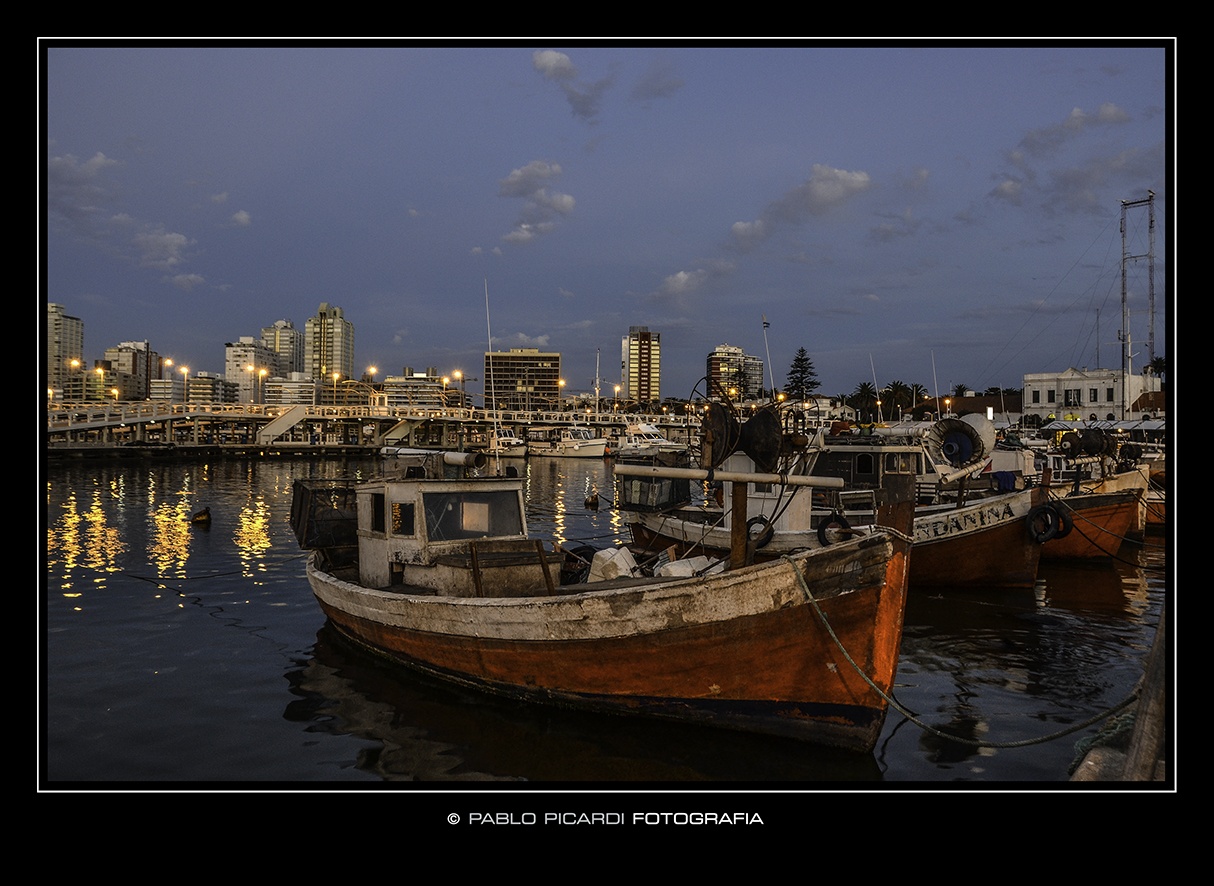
(1100, 522)
(745, 649)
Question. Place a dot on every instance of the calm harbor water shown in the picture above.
(186, 658)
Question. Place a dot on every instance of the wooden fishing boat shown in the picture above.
(966, 535)
(1093, 524)
(437, 573)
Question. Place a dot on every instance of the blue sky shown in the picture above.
(936, 214)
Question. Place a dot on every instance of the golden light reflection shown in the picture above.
(169, 547)
(252, 536)
(82, 539)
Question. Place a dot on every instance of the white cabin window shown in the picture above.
(458, 515)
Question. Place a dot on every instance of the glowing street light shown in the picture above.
(336, 376)
(185, 372)
(615, 405)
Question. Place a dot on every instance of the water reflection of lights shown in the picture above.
(83, 540)
(253, 535)
(169, 547)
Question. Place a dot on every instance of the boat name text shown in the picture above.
(964, 522)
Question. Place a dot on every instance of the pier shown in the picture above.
(156, 428)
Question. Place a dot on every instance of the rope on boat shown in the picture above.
(912, 717)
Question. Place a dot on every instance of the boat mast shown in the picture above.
(491, 390)
(596, 383)
(1126, 257)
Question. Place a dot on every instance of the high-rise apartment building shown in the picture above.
(64, 343)
(134, 364)
(328, 346)
(522, 378)
(287, 344)
(248, 363)
(732, 370)
(641, 365)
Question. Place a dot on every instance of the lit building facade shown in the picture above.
(641, 365)
(730, 368)
(64, 344)
(1087, 395)
(286, 343)
(249, 363)
(522, 378)
(328, 347)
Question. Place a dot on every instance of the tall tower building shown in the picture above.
(64, 343)
(287, 344)
(641, 365)
(328, 345)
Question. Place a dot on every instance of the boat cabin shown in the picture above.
(427, 533)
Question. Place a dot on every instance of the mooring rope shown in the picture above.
(912, 717)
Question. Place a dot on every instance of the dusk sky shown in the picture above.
(932, 214)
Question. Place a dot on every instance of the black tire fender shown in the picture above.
(1065, 523)
(1042, 522)
(765, 533)
(835, 519)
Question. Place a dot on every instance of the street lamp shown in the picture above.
(615, 405)
(185, 396)
(252, 383)
(336, 376)
(560, 389)
(114, 391)
(261, 379)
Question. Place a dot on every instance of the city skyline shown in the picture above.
(901, 211)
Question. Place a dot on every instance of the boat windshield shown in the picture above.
(474, 514)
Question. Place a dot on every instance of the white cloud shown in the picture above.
(541, 207)
(554, 65)
(187, 281)
(584, 98)
(826, 188)
(159, 248)
(241, 219)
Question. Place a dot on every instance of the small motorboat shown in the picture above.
(202, 518)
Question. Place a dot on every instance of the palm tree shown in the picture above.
(897, 395)
(864, 399)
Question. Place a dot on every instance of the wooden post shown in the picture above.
(1150, 721)
(738, 541)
